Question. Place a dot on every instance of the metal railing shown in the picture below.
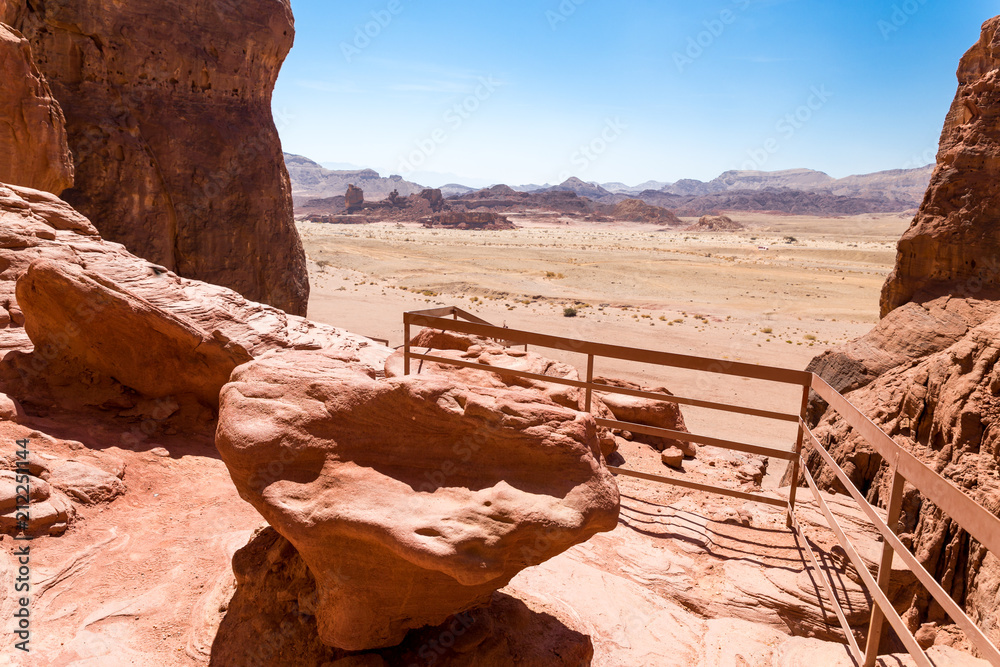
(972, 517)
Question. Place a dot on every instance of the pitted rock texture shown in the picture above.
(108, 324)
(33, 148)
(168, 115)
(944, 409)
(409, 499)
(953, 244)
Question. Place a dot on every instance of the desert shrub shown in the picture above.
(569, 311)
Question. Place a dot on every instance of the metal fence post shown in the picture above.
(590, 379)
(885, 566)
(406, 344)
(798, 455)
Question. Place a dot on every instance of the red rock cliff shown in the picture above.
(953, 245)
(168, 112)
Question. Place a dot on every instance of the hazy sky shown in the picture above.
(532, 91)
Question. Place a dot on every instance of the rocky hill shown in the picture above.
(897, 187)
(591, 191)
(779, 200)
(310, 180)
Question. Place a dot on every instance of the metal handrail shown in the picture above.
(972, 517)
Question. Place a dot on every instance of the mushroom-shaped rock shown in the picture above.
(410, 499)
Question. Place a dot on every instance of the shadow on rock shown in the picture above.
(270, 621)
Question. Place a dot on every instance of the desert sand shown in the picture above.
(778, 293)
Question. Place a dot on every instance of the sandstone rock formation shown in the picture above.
(484, 220)
(33, 149)
(169, 122)
(106, 325)
(354, 199)
(942, 408)
(715, 223)
(274, 586)
(926, 373)
(636, 210)
(163, 355)
(647, 412)
(404, 526)
(952, 246)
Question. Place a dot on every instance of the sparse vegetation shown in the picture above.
(766, 330)
(569, 311)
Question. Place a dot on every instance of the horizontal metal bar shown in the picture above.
(958, 615)
(824, 579)
(767, 500)
(873, 589)
(698, 403)
(962, 509)
(435, 312)
(469, 316)
(601, 387)
(684, 436)
(500, 370)
(725, 367)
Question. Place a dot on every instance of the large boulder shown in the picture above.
(77, 319)
(105, 325)
(409, 499)
(33, 149)
(168, 116)
(647, 412)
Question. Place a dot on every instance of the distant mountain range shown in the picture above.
(311, 180)
(793, 191)
(896, 187)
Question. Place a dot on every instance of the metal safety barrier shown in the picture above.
(972, 517)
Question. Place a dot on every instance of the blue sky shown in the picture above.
(521, 91)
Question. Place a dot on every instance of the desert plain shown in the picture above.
(778, 293)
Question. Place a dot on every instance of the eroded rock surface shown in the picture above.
(953, 244)
(105, 324)
(409, 499)
(168, 116)
(33, 148)
(944, 409)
